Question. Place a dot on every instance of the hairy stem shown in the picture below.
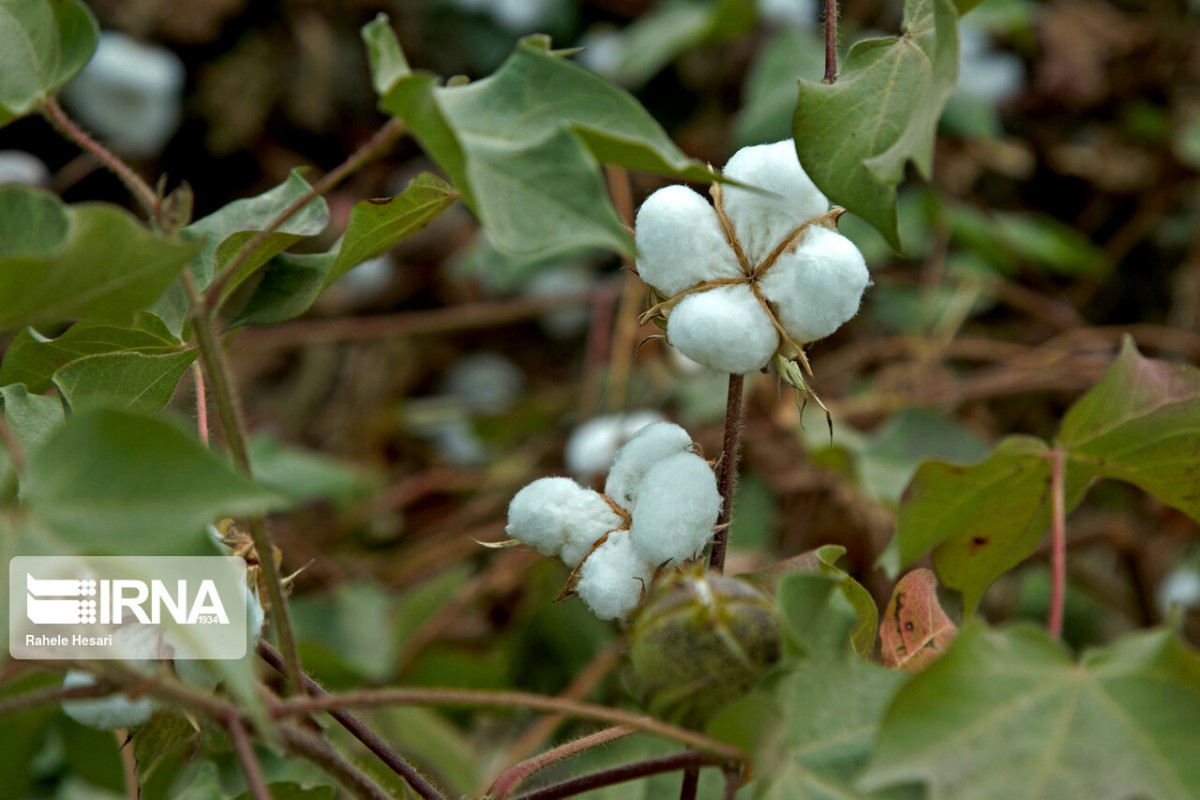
(1058, 545)
(729, 470)
(514, 776)
(377, 144)
(54, 113)
(255, 783)
(358, 730)
(379, 698)
(321, 753)
(201, 403)
(831, 25)
(687, 760)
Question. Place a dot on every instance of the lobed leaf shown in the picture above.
(1008, 714)
(854, 137)
(524, 147)
(42, 46)
(89, 260)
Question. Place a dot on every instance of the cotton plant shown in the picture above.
(658, 511)
(592, 445)
(752, 278)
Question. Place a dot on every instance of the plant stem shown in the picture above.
(255, 783)
(141, 190)
(55, 694)
(831, 23)
(377, 144)
(201, 403)
(514, 776)
(690, 785)
(472, 697)
(687, 760)
(1058, 545)
(321, 753)
(730, 453)
(229, 408)
(358, 730)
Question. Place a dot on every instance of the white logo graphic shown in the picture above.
(46, 605)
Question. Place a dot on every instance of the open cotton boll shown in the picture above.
(105, 713)
(678, 505)
(651, 445)
(680, 243)
(130, 93)
(762, 221)
(723, 328)
(17, 166)
(558, 517)
(816, 288)
(613, 577)
(592, 446)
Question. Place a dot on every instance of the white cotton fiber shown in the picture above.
(762, 221)
(611, 581)
(678, 505)
(558, 517)
(680, 242)
(592, 445)
(819, 286)
(724, 328)
(105, 713)
(652, 444)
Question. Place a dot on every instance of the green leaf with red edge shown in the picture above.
(915, 630)
(983, 520)
(1140, 424)
(91, 260)
(855, 137)
(524, 146)
(43, 45)
(1005, 714)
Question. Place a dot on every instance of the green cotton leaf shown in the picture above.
(1011, 241)
(854, 137)
(124, 483)
(303, 476)
(811, 726)
(31, 417)
(889, 459)
(292, 283)
(88, 260)
(769, 93)
(1006, 714)
(136, 381)
(983, 520)
(524, 148)
(25, 733)
(1140, 424)
(387, 60)
(226, 231)
(32, 359)
(43, 45)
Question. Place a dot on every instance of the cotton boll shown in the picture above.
(1181, 587)
(592, 445)
(792, 13)
(130, 93)
(571, 320)
(819, 286)
(678, 505)
(680, 242)
(105, 713)
(558, 517)
(762, 221)
(17, 166)
(487, 383)
(723, 328)
(651, 445)
(613, 577)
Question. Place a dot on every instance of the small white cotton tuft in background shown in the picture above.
(1180, 587)
(650, 445)
(680, 242)
(486, 383)
(678, 505)
(592, 445)
(17, 166)
(105, 713)
(724, 328)
(818, 287)
(612, 579)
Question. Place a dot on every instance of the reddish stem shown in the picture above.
(1058, 545)
(831, 21)
(729, 470)
(255, 783)
(688, 759)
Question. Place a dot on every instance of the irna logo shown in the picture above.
(53, 601)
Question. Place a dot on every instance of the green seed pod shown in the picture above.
(701, 641)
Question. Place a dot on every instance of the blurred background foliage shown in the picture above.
(426, 388)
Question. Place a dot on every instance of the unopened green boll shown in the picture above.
(701, 641)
